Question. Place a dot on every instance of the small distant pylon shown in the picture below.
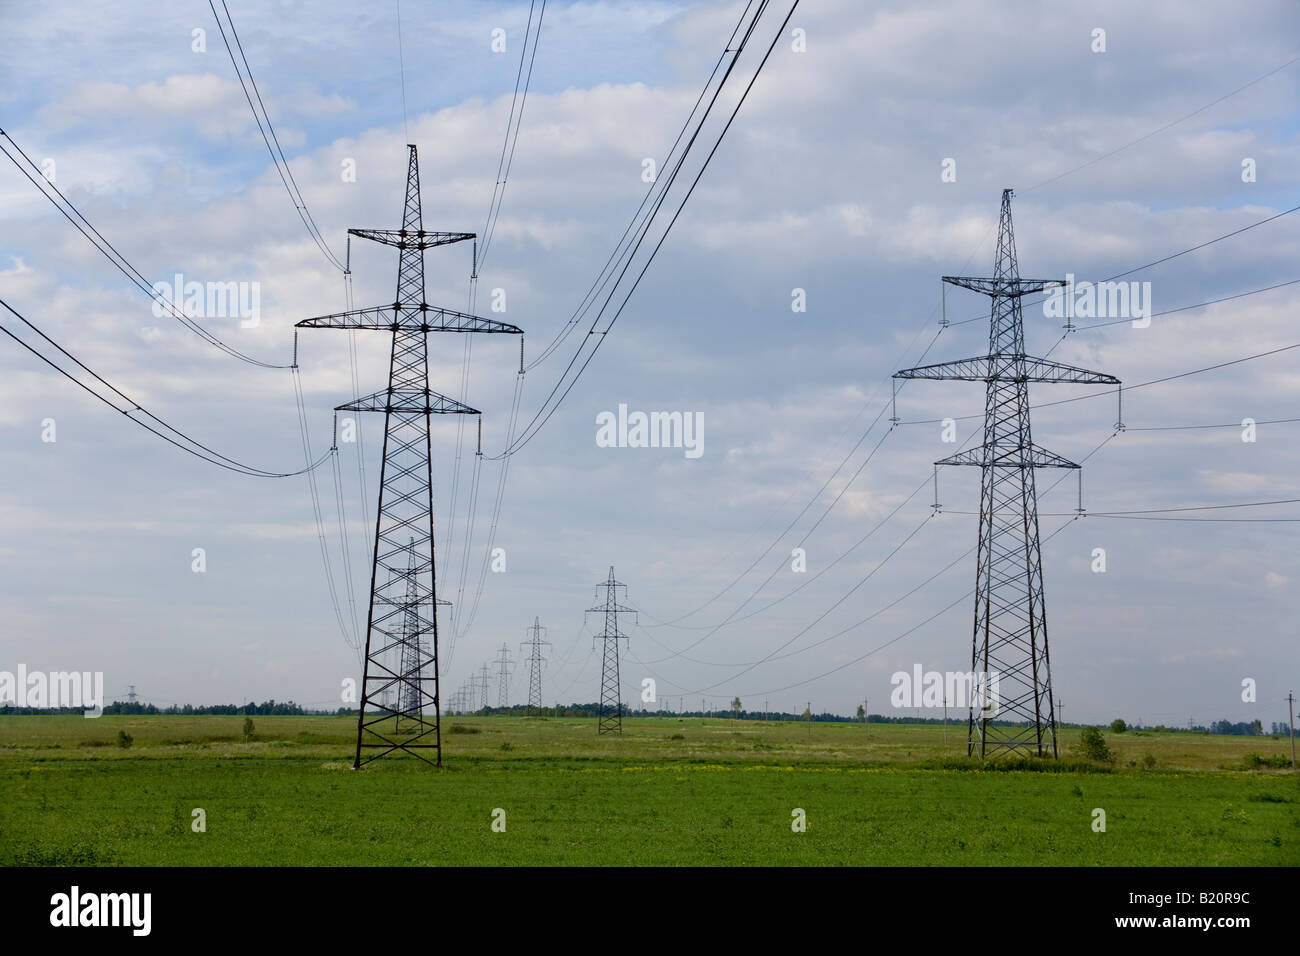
(484, 680)
(503, 663)
(609, 720)
(410, 701)
(535, 662)
(415, 661)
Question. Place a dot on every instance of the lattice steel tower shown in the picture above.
(610, 718)
(1010, 634)
(535, 662)
(414, 658)
(404, 546)
(503, 663)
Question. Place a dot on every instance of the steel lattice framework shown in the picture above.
(403, 580)
(1009, 644)
(414, 658)
(609, 719)
(503, 663)
(534, 646)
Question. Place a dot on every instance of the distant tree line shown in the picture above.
(270, 708)
(1244, 728)
(274, 708)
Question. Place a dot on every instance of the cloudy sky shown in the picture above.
(830, 181)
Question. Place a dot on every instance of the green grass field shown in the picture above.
(667, 792)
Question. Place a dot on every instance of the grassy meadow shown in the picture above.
(668, 792)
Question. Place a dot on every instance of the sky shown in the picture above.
(867, 162)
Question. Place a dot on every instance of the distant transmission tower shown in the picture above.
(414, 659)
(405, 487)
(503, 663)
(484, 681)
(410, 698)
(610, 717)
(535, 662)
(1010, 635)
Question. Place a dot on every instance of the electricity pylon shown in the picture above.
(609, 720)
(535, 662)
(503, 663)
(1009, 645)
(414, 660)
(404, 525)
(484, 680)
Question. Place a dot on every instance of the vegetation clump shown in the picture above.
(1092, 745)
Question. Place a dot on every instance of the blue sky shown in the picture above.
(829, 181)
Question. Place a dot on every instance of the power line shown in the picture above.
(776, 653)
(1156, 511)
(120, 262)
(1186, 308)
(543, 415)
(1129, 388)
(616, 254)
(1147, 514)
(1175, 428)
(891, 641)
(281, 163)
(504, 165)
(183, 441)
(513, 444)
(496, 513)
(1165, 127)
(1210, 242)
(1183, 252)
(1232, 520)
(731, 618)
(316, 513)
(503, 175)
(804, 510)
(401, 66)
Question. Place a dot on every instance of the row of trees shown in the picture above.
(1244, 728)
(270, 708)
(274, 708)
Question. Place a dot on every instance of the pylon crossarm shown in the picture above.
(961, 370)
(411, 238)
(1003, 288)
(408, 401)
(1007, 368)
(612, 606)
(1008, 457)
(1042, 370)
(424, 318)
